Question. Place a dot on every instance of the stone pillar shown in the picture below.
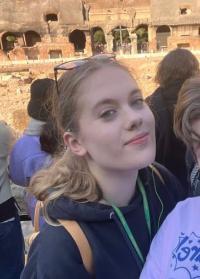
(88, 45)
(133, 37)
(152, 39)
(109, 40)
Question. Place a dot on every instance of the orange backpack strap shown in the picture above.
(36, 221)
(154, 169)
(81, 241)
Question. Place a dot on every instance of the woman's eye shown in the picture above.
(108, 114)
(137, 102)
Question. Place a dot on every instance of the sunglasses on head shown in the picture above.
(70, 65)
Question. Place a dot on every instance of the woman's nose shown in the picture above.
(133, 120)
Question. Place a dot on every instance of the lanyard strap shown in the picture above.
(145, 206)
(147, 219)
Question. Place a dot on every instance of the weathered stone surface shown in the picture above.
(14, 88)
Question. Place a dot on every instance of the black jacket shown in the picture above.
(54, 254)
(170, 151)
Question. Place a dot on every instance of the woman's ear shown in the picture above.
(73, 144)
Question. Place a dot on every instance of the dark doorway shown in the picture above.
(98, 40)
(32, 38)
(56, 53)
(142, 38)
(162, 34)
(183, 45)
(77, 37)
(8, 41)
(51, 17)
(121, 39)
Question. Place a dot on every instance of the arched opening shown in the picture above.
(8, 40)
(121, 39)
(162, 34)
(77, 37)
(142, 38)
(51, 17)
(32, 38)
(98, 40)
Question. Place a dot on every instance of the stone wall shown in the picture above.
(26, 15)
(169, 12)
(14, 87)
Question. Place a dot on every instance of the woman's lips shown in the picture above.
(140, 139)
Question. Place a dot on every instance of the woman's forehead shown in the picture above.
(108, 77)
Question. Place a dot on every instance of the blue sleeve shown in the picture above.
(54, 255)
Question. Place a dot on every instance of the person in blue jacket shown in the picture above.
(27, 155)
(104, 180)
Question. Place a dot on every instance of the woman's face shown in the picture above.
(196, 141)
(116, 127)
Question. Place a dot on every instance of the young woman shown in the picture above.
(103, 180)
(175, 250)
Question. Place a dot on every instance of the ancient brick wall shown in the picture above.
(26, 15)
(173, 12)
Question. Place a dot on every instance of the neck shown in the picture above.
(118, 187)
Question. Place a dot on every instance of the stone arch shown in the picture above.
(51, 17)
(98, 39)
(162, 34)
(31, 38)
(78, 39)
(121, 38)
(142, 37)
(8, 40)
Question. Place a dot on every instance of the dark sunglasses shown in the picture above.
(70, 65)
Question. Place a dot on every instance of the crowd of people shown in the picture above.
(118, 177)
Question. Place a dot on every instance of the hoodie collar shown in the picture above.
(67, 209)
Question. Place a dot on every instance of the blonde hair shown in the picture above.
(187, 109)
(69, 175)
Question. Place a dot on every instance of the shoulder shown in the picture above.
(154, 97)
(59, 244)
(161, 174)
(163, 187)
(27, 147)
(5, 131)
(182, 219)
(6, 138)
(55, 255)
(27, 139)
(179, 230)
(188, 207)
(171, 183)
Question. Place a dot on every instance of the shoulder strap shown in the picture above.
(36, 220)
(154, 169)
(81, 241)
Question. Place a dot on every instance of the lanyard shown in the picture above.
(147, 219)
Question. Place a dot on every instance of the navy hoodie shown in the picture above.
(54, 254)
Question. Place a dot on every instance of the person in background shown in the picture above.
(175, 249)
(27, 155)
(177, 66)
(11, 238)
(104, 180)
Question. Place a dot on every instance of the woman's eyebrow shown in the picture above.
(109, 101)
(135, 91)
(105, 102)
